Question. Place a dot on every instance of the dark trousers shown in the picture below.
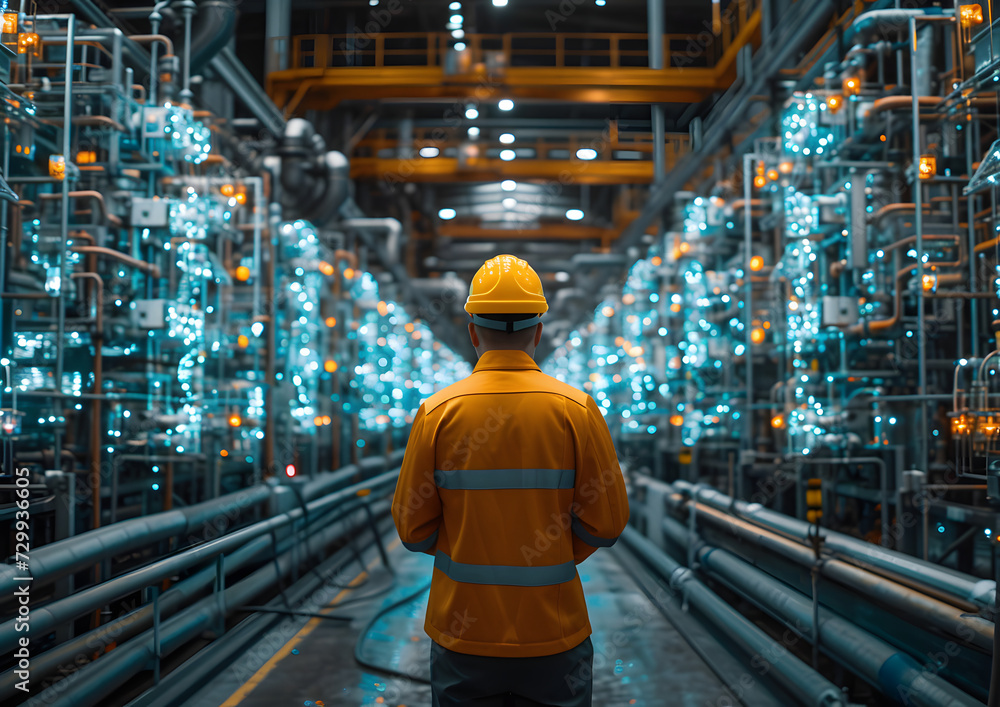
(561, 680)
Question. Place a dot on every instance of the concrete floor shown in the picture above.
(310, 662)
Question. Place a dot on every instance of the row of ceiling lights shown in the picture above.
(472, 113)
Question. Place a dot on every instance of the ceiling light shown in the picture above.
(499, 3)
(508, 185)
(600, 3)
(455, 6)
(473, 132)
(429, 152)
(507, 138)
(457, 19)
(471, 113)
(506, 104)
(509, 202)
(457, 33)
(574, 214)
(507, 155)
(459, 46)
(586, 153)
(373, 3)
(446, 214)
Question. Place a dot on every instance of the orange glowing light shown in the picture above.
(756, 263)
(330, 366)
(409, 327)
(928, 166)
(657, 260)
(317, 420)
(235, 420)
(223, 452)
(227, 190)
(785, 167)
(331, 322)
(10, 23)
(608, 311)
(772, 175)
(86, 157)
(327, 419)
(778, 422)
(882, 138)
(685, 247)
(241, 197)
(326, 268)
(970, 14)
(383, 308)
(759, 181)
(851, 86)
(243, 273)
(834, 103)
(929, 282)
(349, 273)
(675, 307)
(628, 298)
(676, 420)
(243, 341)
(757, 335)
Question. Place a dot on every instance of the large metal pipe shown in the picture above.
(949, 585)
(56, 560)
(949, 619)
(804, 683)
(891, 671)
(91, 684)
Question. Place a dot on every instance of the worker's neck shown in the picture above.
(530, 350)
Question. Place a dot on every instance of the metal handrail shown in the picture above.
(314, 512)
(517, 49)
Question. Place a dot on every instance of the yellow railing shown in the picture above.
(515, 50)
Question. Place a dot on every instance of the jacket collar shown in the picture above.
(502, 359)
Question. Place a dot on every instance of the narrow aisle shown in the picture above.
(640, 658)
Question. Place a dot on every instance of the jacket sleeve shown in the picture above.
(416, 505)
(600, 504)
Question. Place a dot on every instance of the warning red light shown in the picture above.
(290, 470)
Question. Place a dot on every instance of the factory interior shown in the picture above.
(237, 242)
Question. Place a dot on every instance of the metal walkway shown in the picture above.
(640, 656)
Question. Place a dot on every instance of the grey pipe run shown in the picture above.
(800, 680)
(954, 587)
(174, 599)
(58, 559)
(92, 683)
(46, 618)
(915, 606)
(894, 673)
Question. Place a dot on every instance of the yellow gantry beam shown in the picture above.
(448, 169)
(326, 70)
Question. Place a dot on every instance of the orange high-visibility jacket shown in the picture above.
(509, 480)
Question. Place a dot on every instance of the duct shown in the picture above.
(954, 587)
(211, 29)
(804, 683)
(248, 89)
(314, 182)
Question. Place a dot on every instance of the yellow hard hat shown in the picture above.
(506, 285)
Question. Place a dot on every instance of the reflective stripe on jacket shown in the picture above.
(509, 480)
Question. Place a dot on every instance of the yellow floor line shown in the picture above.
(258, 677)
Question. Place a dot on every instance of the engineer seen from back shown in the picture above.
(510, 480)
